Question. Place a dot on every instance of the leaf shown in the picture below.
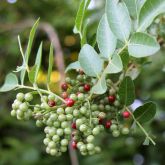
(38, 61)
(142, 45)
(74, 65)
(80, 16)
(119, 19)
(145, 112)
(132, 7)
(105, 38)
(10, 83)
(84, 35)
(90, 61)
(28, 50)
(127, 91)
(125, 59)
(100, 87)
(148, 12)
(115, 65)
(50, 63)
(32, 73)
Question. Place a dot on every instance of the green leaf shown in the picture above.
(38, 61)
(31, 74)
(105, 38)
(100, 87)
(145, 112)
(119, 19)
(115, 65)
(28, 50)
(148, 12)
(10, 83)
(125, 59)
(132, 7)
(127, 91)
(90, 61)
(74, 65)
(50, 63)
(80, 16)
(142, 45)
(84, 35)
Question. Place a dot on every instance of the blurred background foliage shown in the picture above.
(21, 142)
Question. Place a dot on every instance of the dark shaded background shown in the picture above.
(21, 142)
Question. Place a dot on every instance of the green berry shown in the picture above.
(64, 124)
(76, 113)
(60, 132)
(113, 127)
(51, 144)
(64, 142)
(68, 110)
(96, 131)
(55, 138)
(60, 111)
(90, 138)
(69, 117)
(51, 97)
(83, 148)
(28, 97)
(20, 96)
(90, 146)
(81, 96)
(83, 110)
(62, 117)
(115, 133)
(13, 113)
(125, 131)
(73, 97)
(67, 131)
(46, 141)
(67, 80)
(63, 149)
(94, 107)
(53, 152)
(83, 128)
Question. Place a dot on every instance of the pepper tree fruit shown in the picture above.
(93, 102)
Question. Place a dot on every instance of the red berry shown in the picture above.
(64, 86)
(64, 95)
(112, 99)
(74, 125)
(51, 103)
(100, 121)
(87, 87)
(108, 124)
(74, 145)
(126, 114)
(69, 102)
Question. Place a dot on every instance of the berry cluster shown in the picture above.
(78, 118)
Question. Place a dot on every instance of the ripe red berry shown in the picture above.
(64, 95)
(126, 114)
(87, 87)
(74, 125)
(51, 103)
(100, 121)
(64, 86)
(108, 124)
(69, 102)
(74, 145)
(112, 98)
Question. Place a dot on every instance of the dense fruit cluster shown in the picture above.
(77, 120)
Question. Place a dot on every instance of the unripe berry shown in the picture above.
(108, 124)
(96, 131)
(69, 102)
(90, 138)
(80, 96)
(53, 152)
(20, 96)
(60, 132)
(126, 114)
(64, 86)
(64, 142)
(125, 130)
(28, 97)
(60, 111)
(23, 107)
(51, 97)
(51, 144)
(67, 131)
(97, 150)
(13, 113)
(73, 97)
(74, 145)
(87, 87)
(115, 133)
(113, 127)
(112, 98)
(83, 128)
(83, 148)
(90, 146)
(55, 138)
